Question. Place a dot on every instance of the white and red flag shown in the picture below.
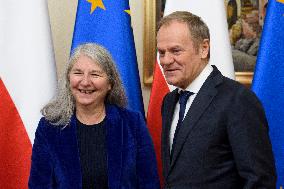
(214, 15)
(27, 82)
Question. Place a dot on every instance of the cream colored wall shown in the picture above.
(62, 18)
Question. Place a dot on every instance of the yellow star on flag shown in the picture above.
(280, 1)
(127, 11)
(95, 4)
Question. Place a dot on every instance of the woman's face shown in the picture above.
(88, 82)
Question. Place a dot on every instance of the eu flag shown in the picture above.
(107, 22)
(268, 81)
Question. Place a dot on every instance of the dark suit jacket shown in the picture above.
(223, 141)
(131, 159)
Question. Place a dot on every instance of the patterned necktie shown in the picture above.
(184, 95)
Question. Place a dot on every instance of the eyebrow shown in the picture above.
(97, 71)
(93, 71)
(176, 47)
(172, 47)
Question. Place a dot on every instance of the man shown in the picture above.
(222, 139)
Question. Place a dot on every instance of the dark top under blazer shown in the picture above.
(130, 154)
(223, 141)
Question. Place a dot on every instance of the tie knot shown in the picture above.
(183, 97)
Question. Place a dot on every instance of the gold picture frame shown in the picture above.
(149, 41)
(151, 16)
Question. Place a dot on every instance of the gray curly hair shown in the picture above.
(60, 109)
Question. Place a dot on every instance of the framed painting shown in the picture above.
(245, 21)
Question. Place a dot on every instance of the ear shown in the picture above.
(109, 87)
(204, 48)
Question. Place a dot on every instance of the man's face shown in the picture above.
(181, 62)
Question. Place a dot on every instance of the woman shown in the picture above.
(87, 139)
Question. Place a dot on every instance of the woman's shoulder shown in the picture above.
(122, 111)
(43, 122)
(127, 116)
(46, 125)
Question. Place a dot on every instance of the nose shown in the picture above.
(85, 80)
(166, 59)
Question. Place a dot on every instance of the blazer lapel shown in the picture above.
(67, 149)
(114, 136)
(203, 99)
(168, 111)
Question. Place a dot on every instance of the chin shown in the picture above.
(171, 80)
(85, 102)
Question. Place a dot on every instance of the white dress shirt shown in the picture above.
(193, 87)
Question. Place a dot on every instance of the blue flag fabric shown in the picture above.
(107, 22)
(268, 81)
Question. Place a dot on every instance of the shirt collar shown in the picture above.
(197, 83)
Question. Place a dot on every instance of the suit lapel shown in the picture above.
(114, 135)
(168, 111)
(202, 100)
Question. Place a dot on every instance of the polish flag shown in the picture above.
(27, 82)
(214, 15)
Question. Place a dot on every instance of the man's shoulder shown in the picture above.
(237, 92)
(222, 81)
(233, 86)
